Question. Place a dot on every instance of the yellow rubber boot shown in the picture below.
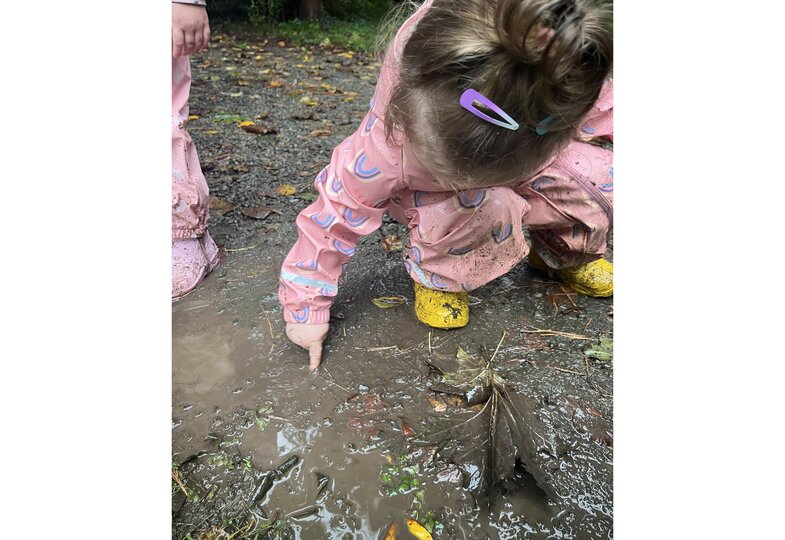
(590, 279)
(441, 309)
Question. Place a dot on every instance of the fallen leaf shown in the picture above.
(392, 532)
(320, 133)
(275, 83)
(308, 101)
(406, 429)
(282, 44)
(385, 302)
(454, 400)
(227, 118)
(193, 117)
(220, 206)
(438, 404)
(246, 123)
(286, 190)
(603, 351)
(260, 129)
(419, 532)
(235, 94)
(346, 55)
(392, 243)
(259, 212)
(212, 132)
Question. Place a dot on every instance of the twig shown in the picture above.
(270, 325)
(234, 250)
(200, 306)
(429, 343)
(334, 381)
(587, 324)
(565, 370)
(179, 482)
(504, 333)
(568, 296)
(377, 349)
(555, 333)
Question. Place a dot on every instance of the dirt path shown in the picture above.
(374, 441)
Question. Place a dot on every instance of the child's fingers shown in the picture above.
(206, 33)
(178, 39)
(198, 40)
(315, 353)
(190, 42)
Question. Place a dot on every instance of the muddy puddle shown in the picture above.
(263, 449)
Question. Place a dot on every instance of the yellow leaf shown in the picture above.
(392, 532)
(308, 101)
(211, 132)
(438, 405)
(419, 532)
(286, 190)
(346, 55)
(193, 116)
(259, 57)
(392, 243)
(385, 302)
(320, 133)
(246, 123)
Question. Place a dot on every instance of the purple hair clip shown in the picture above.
(470, 96)
(467, 102)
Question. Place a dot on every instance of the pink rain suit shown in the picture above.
(457, 241)
(194, 254)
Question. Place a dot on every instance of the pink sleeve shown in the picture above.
(599, 121)
(354, 193)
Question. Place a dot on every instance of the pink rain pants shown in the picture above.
(194, 254)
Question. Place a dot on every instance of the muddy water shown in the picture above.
(244, 402)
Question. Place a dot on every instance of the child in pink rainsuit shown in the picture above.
(194, 254)
(478, 126)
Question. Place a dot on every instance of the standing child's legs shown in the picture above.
(194, 254)
(571, 216)
(457, 243)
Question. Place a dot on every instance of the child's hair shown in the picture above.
(533, 58)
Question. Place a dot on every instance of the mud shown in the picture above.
(374, 439)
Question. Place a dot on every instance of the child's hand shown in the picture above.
(309, 336)
(190, 29)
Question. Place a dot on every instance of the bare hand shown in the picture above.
(309, 336)
(190, 29)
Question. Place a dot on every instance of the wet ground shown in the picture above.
(263, 449)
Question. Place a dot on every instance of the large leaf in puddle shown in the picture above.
(506, 426)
